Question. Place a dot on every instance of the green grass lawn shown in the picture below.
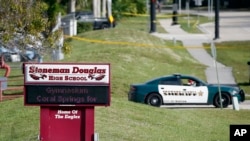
(135, 56)
(126, 121)
(187, 22)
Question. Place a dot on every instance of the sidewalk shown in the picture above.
(234, 26)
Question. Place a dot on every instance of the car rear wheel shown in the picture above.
(224, 99)
(154, 100)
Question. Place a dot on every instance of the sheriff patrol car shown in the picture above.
(183, 89)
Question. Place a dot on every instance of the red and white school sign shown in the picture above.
(67, 73)
(67, 94)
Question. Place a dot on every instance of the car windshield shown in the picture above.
(201, 81)
(157, 80)
(170, 79)
(2, 49)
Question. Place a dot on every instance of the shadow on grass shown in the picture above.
(7, 93)
(15, 76)
(244, 84)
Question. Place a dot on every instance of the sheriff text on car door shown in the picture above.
(183, 94)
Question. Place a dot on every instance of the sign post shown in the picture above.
(67, 95)
(214, 54)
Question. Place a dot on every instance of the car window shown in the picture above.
(189, 82)
(170, 81)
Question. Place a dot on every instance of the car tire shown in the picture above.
(154, 100)
(104, 26)
(225, 100)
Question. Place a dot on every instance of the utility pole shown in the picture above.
(104, 5)
(175, 8)
(152, 16)
(72, 6)
(94, 2)
(97, 8)
(217, 8)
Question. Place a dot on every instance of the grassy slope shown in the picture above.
(128, 121)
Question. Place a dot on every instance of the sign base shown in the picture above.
(66, 123)
(236, 104)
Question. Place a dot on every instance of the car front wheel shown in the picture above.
(224, 99)
(154, 100)
(104, 26)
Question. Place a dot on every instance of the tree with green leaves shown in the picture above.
(119, 7)
(29, 22)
